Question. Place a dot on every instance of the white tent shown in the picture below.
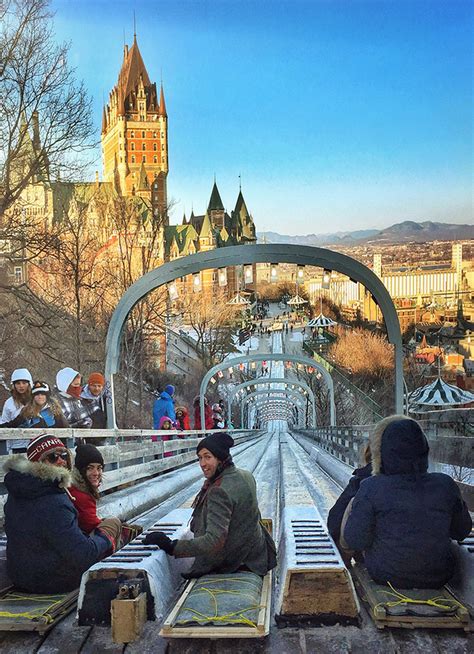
(239, 300)
(296, 301)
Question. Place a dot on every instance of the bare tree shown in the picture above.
(213, 322)
(40, 97)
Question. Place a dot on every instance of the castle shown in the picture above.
(134, 140)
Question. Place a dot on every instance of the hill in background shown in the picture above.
(403, 232)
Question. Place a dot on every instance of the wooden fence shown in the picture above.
(130, 456)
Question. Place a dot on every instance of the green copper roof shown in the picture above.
(215, 203)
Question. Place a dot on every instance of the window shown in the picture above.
(143, 146)
(162, 146)
(155, 147)
(155, 159)
(133, 146)
(18, 275)
(133, 158)
(132, 134)
(154, 135)
(143, 134)
(144, 159)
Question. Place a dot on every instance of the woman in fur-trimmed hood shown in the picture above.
(403, 517)
(46, 550)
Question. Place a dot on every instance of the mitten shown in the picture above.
(161, 539)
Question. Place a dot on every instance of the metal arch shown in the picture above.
(268, 356)
(280, 399)
(268, 411)
(281, 410)
(302, 255)
(272, 380)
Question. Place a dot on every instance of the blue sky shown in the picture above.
(338, 114)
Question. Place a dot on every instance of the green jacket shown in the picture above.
(227, 529)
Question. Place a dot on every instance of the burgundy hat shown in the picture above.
(42, 444)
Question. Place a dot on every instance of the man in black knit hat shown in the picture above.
(226, 522)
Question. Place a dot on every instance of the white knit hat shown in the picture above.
(64, 378)
(22, 374)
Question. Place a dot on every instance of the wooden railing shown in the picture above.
(130, 456)
(449, 446)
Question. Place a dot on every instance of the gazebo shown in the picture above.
(438, 395)
(321, 321)
(239, 300)
(296, 301)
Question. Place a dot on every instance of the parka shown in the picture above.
(46, 550)
(336, 513)
(403, 517)
(227, 530)
(163, 406)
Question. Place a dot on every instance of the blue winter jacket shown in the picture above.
(404, 519)
(46, 550)
(163, 406)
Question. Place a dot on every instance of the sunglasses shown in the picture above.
(55, 456)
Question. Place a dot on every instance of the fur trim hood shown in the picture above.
(43, 472)
(398, 446)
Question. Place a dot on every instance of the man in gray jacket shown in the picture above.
(228, 534)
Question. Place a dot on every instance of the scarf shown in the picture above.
(200, 497)
(74, 391)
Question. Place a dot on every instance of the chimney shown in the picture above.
(36, 136)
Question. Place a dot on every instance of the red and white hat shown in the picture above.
(41, 444)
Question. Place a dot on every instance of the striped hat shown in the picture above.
(42, 444)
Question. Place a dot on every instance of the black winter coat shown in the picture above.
(336, 513)
(405, 518)
(46, 550)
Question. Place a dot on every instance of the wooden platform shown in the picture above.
(29, 612)
(315, 585)
(387, 608)
(185, 622)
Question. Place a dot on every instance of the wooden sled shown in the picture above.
(387, 608)
(29, 612)
(243, 620)
(315, 586)
(199, 614)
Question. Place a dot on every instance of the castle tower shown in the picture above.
(135, 135)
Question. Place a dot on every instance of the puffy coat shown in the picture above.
(183, 420)
(85, 503)
(336, 513)
(402, 517)
(208, 420)
(44, 420)
(46, 550)
(163, 406)
(227, 529)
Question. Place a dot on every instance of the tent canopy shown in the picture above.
(321, 321)
(440, 394)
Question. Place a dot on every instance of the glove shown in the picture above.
(161, 539)
(111, 527)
